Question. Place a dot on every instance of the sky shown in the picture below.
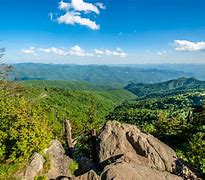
(103, 31)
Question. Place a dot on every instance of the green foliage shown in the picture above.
(24, 129)
(194, 151)
(69, 85)
(73, 167)
(6, 170)
(171, 87)
(47, 163)
(86, 109)
(40, 178)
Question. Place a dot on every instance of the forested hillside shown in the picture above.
(93, 73)
(75, 101)
(173, 86)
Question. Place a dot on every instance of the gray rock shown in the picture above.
(34, 167)
(128, 142)
(59, 161)
(131, 171)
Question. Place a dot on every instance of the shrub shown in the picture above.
(23, 128)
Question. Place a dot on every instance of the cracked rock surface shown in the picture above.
(127, 153)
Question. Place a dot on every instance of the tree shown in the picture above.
(24, 128)
(4, 68)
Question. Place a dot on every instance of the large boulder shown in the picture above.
(59, 162)
(34, 167)
(127, 141)
(131, 171)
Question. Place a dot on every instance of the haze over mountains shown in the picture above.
(122, 74)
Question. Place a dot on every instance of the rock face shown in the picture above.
(123, 139)
(59, 165)
(34, 167)
(133, 154)
(131, 171)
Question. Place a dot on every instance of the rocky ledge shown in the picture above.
(124, 153)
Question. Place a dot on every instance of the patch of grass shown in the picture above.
(47, 164)
(73, 167)
(7, 170)
(40, 178)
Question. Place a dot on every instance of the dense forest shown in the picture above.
(100, 74)
(173, 86)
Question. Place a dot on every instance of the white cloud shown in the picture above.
(74, 12)
(73, 51)
(99, 52)
(64, 6)
(118, 52)
(30, 50)
(100, 5)
(184, 45)
(161, 52)
(76, 51)
(80, 5)
(75, 18)
(54, 50)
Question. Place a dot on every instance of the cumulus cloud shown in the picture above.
(76, 51)
(64, 6)
(118, 52)
(54, 50)
(75, 10)
(30, 50)
(184, 45)
(80, 5)
(75, 18)
(73, 51)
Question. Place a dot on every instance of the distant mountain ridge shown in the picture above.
(181, 84)
(93, 73)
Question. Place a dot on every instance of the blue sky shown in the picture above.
(103, 31)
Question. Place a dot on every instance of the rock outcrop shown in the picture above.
(34, 167)
(59, 162)
(132, 171)
(123, 139)
(127, 153)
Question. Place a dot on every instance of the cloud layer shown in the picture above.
(75, 51)
(74, 12)
(31, 51)
(184, 45)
